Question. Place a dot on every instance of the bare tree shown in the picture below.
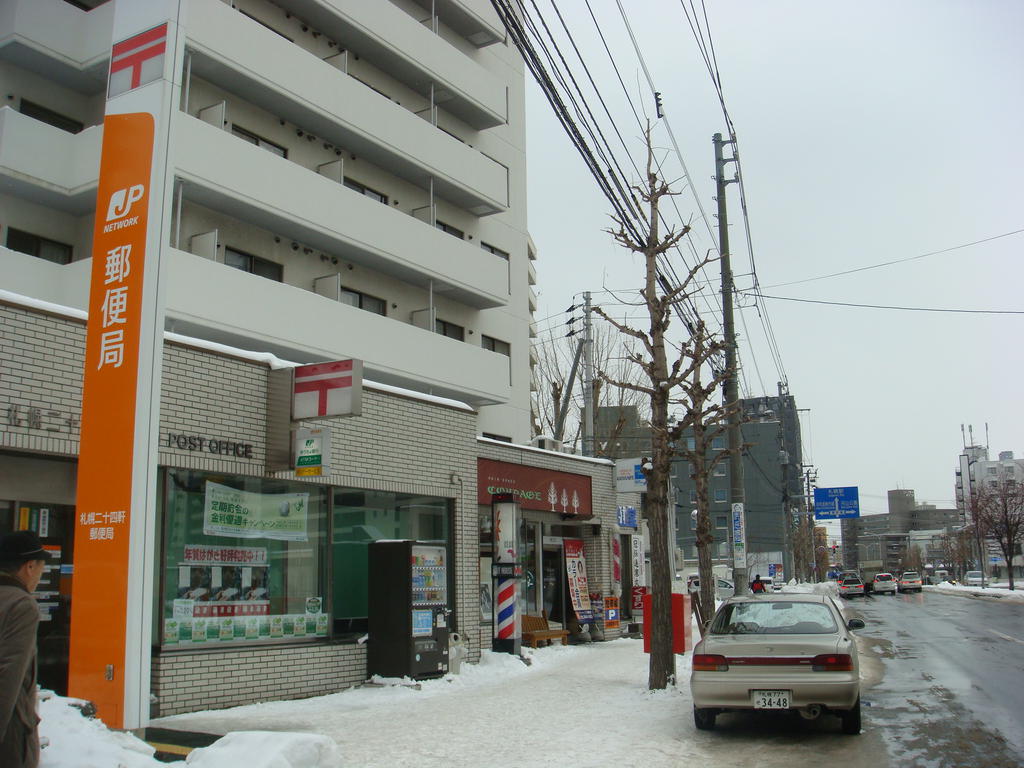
(914, 560)
(956, 550)
(554, 367)
(999, 515)
(650, 351)
(802, 537)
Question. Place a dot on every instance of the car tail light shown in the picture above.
(832, 662)
(709, 662)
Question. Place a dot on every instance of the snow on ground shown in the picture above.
(586, 695)
(1000, 590)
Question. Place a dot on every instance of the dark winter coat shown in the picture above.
(19, 618)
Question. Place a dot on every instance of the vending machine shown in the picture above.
(408, 609)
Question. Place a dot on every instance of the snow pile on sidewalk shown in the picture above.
(267, 749)
(80, 742)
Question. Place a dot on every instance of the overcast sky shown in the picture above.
(868, 132)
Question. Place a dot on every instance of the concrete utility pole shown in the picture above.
(588, 378)
(738, 520)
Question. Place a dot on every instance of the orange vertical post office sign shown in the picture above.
(109, 400)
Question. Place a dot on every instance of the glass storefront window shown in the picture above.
(244, 559)
(362, 516)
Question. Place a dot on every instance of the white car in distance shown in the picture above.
(884, 582)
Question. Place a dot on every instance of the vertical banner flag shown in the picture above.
(616, 565)
(739, 537)
(576, 570)
(506, 602)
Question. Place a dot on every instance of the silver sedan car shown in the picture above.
(778, 652)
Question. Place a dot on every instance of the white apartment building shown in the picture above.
(347, 179)
(332, 179)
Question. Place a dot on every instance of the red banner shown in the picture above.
(534, 488)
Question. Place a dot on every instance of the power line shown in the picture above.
(898, 261)
(886, 306)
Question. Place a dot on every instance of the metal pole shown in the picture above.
(588, 379)
(731, 397)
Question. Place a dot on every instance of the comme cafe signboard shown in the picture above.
(543, 490)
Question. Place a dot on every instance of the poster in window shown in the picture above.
(247, 515)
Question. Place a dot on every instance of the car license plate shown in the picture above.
(770, 699)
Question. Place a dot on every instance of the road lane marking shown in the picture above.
(1006, 637)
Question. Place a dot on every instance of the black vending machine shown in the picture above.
(408, 610)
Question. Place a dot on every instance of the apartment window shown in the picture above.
(720, 495)
(690, 444)
(496, 251)
(720, 521)
(693, 496)
(362, 189)
(41, 247)
(364, 301)
(451, 330)
(719, 469)
(253, 264)
(259, 141)
(44, 115)
(718, 444)
(453, 231)
(496, 345)
(991, 470)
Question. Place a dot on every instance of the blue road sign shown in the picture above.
(836, 503)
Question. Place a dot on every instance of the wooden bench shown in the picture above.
(536, 631)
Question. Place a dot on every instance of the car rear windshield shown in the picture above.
(773, 618)
(911, 575)
(851, 580)
(883, 577)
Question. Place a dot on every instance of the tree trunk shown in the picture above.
(662, 671)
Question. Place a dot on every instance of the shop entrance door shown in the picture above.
(553, 582)
(55, 524)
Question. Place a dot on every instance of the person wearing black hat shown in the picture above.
(22, 563)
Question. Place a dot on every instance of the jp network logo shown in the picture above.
(120, 206)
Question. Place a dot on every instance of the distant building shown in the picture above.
(881, 542)
(620, 433)
(771, 480)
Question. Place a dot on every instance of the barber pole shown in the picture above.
(506, 629)
(506, 585)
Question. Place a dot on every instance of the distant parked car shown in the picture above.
(974, 579)
(910, 581)
(783, 652)
(851, 586)
(723, 588)
(884, 582)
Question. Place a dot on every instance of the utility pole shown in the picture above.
(731, 395)
(588, 378)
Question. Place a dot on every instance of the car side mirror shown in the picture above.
(855, 624)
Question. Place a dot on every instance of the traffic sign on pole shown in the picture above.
(836, 503)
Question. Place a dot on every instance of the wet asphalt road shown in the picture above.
(950, 692)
